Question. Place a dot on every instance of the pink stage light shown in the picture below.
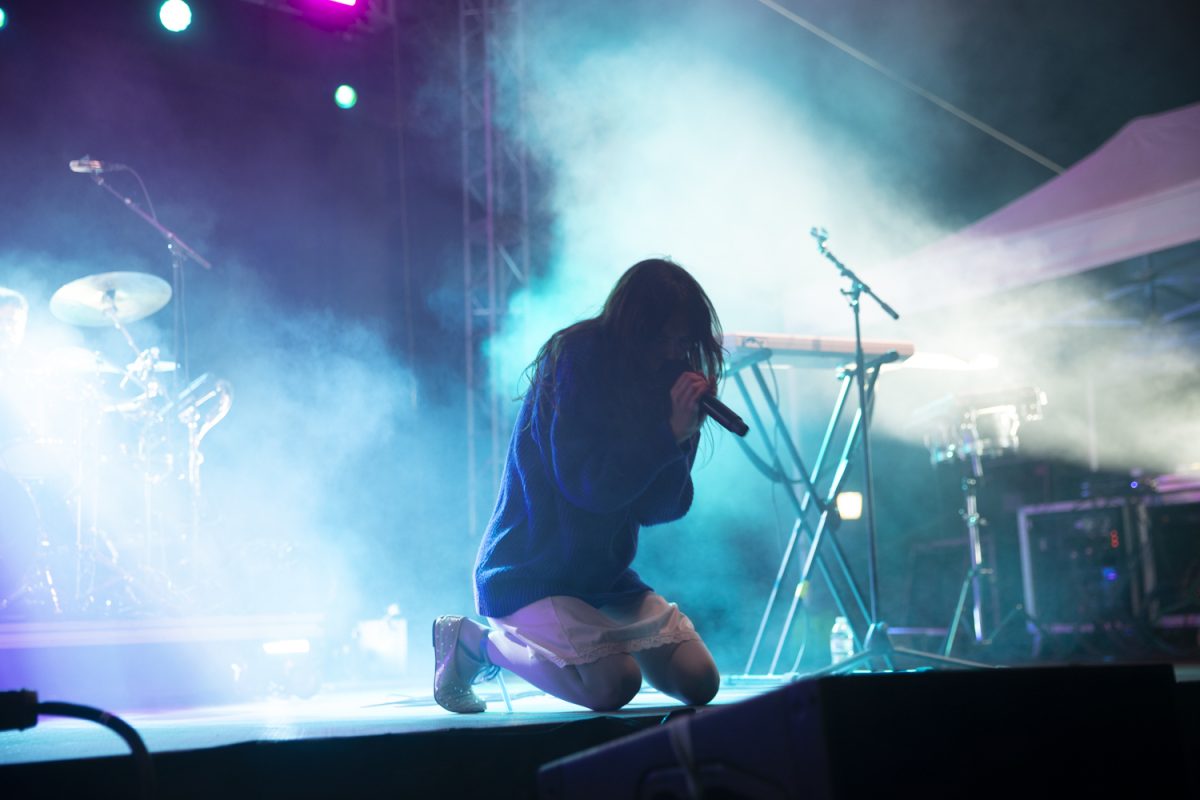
(337, 14)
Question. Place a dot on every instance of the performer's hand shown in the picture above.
(689, 387)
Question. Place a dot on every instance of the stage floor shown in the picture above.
(341, 711)
(333, 712)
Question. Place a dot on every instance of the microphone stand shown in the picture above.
(852, 292)
(180, 253)
(877, 643)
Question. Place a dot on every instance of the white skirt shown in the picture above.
(567, 630)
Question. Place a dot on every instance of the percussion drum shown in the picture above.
(974, 427)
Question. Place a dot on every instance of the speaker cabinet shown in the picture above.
(1107, 731)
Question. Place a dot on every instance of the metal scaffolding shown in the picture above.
(495, 224)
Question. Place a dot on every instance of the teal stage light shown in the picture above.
(175, 15)
(345, 96)
(3, 18)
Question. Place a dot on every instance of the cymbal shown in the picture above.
(108, 297)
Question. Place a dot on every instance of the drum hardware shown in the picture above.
(78, 360)
(203, 404)
(126, 535)
(969, 429)
(115, 584)
(27, 567)
(205, 391)
(116, 299)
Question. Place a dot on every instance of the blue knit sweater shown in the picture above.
(578, 485)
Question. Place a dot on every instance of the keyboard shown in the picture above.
(815, 351)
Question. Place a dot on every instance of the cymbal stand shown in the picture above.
(876, 645)
(141, 371)
(94, 547)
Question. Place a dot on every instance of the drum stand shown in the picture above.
(977, 572)
(41, 581)
(102, 581)
(38, 579)
(105, 579)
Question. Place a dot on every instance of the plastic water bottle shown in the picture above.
(841, 641)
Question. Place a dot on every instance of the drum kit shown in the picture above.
(100, 464)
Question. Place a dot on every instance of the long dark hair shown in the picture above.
(644, 299)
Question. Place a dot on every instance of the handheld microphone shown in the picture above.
(721, 414)
(89, 166)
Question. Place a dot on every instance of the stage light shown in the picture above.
(3, 18)
(345, 96)
(286, 647)
(175, 15)
(338, 13)
(849, 505)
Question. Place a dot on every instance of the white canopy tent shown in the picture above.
(1139, 193)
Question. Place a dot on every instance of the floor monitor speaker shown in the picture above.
(1088, 731)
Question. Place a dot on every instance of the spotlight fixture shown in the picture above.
(175, 15)
(339, 16)
(344, 14)
(345, 96)
(849, 505)
(3, 17)
(287, 647)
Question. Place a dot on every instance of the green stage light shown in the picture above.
(3, 18)
(175, 15)
(345, 96)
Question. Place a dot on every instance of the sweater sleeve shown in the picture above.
(592, 467)
(669, 496)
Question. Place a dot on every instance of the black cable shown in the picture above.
(141, 755)
(146, 194)
(20, 710)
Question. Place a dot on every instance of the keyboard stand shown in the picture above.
(806, 500)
